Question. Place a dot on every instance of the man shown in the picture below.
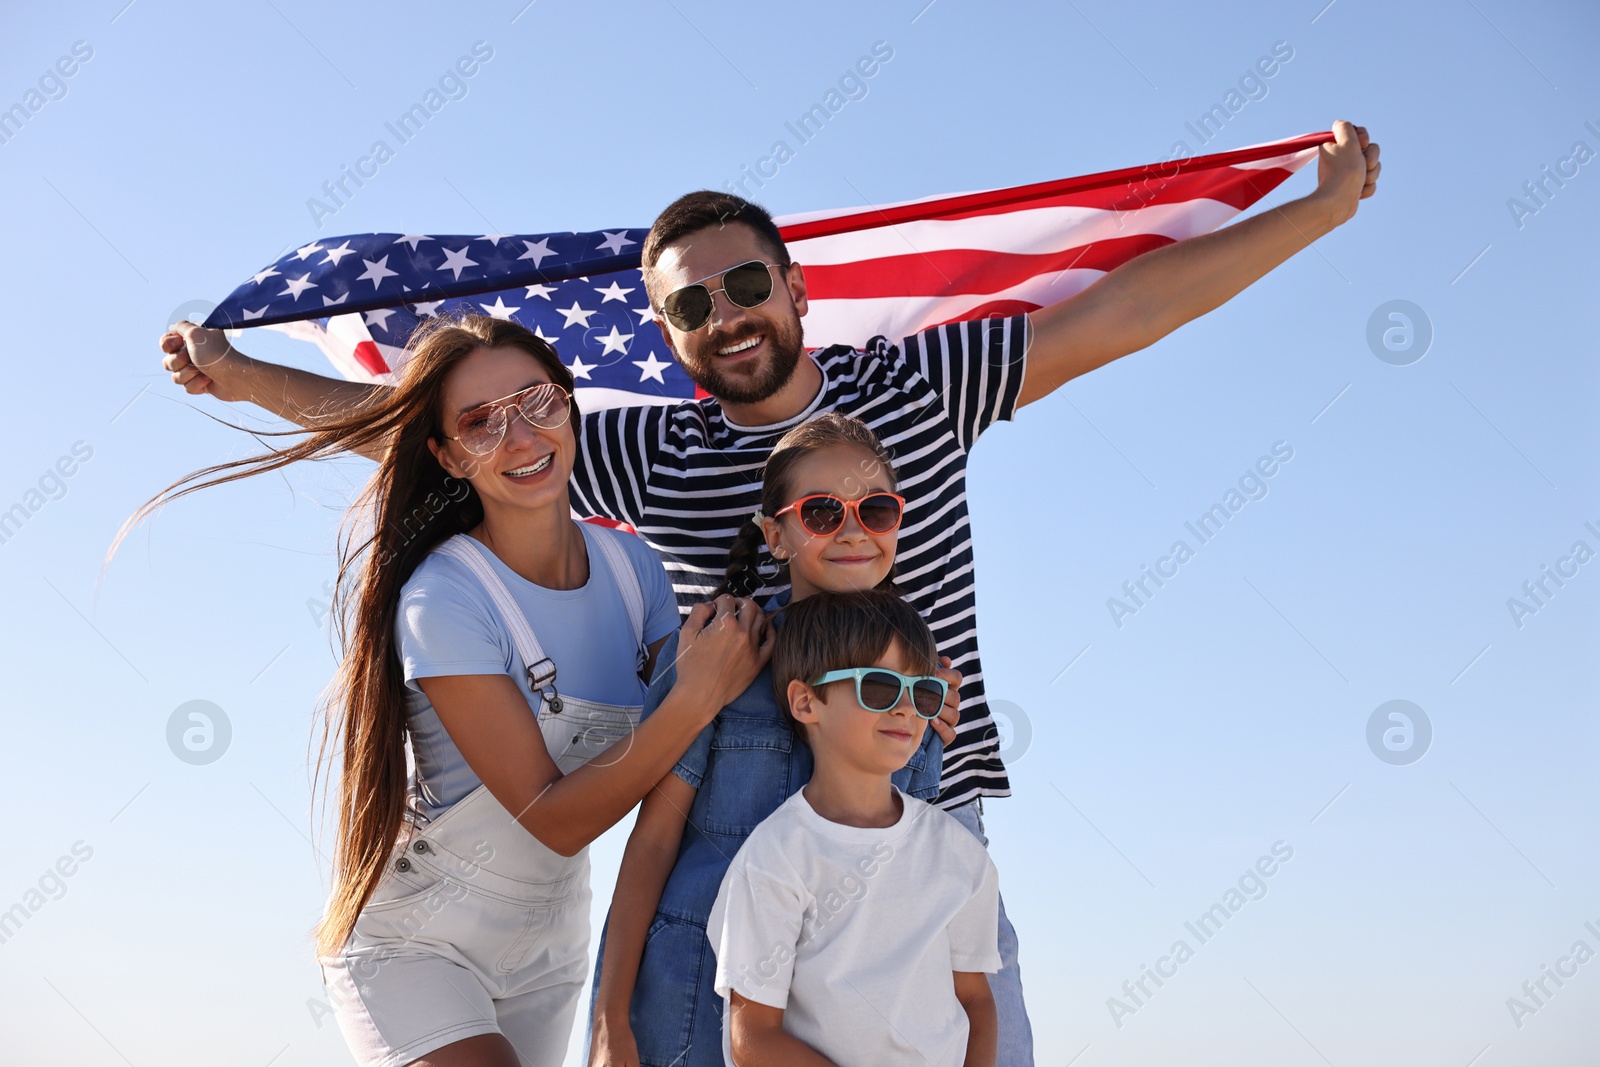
(688, 475)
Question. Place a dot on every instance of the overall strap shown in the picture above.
(627, 583)
(541, 671)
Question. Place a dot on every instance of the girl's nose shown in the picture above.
(851, 527)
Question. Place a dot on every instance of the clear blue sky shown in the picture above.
(1228, 714)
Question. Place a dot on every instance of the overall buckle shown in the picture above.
(542, 678)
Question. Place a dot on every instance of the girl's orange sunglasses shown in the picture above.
(823, 514)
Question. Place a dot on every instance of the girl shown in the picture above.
(507, 643)
(829, 516)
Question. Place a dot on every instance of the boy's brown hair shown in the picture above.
(835, 631)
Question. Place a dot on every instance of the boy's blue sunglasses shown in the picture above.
(879, 689)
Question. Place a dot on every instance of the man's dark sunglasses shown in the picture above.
(748, 285)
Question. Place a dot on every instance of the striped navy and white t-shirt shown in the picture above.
(687, 479)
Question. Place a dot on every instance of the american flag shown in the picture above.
(890, 270)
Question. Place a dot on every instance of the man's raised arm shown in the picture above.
(202, 361)
(1149, 296)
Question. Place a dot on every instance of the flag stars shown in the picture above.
(616, 342)
(614, 291)
(336, 254)
(261, 276)
(427, 308)
(307, 251)
(299, 285)
(499, 310)
(616, 242)
(650, 368)
(646, 314)
(379, 317)
(580, 369)
(457, 261)
(494, 238)
(412, 239)
(575, 315)
(539, 289)
(377, 271)
(537, 251)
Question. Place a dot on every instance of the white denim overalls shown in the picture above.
(477, 927)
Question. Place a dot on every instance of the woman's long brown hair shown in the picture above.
(409, 507)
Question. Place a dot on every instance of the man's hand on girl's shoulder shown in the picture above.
(950, 714)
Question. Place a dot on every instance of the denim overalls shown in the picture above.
(744, 766)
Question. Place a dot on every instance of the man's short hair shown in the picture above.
(701, 210)
(836, 631)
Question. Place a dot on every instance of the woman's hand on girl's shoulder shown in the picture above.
(612, 1043)
(721, 649)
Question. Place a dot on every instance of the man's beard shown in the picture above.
(787, 346)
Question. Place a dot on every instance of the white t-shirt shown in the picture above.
(855, 932)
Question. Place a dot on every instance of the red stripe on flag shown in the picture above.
(961, 270)
(1236, 188)
(371, 360)
(994, 309)
(611, 524)
(1003, 199)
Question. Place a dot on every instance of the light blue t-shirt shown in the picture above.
(447, 625)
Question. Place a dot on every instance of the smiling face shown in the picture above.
(849, 559)
(843, 733)
(530, 467)
(720, 356)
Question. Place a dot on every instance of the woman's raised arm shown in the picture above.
(203, 361)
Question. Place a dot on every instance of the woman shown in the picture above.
(457, 930)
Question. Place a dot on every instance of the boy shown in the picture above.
(856, 924)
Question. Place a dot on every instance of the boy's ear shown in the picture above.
(802, 701)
